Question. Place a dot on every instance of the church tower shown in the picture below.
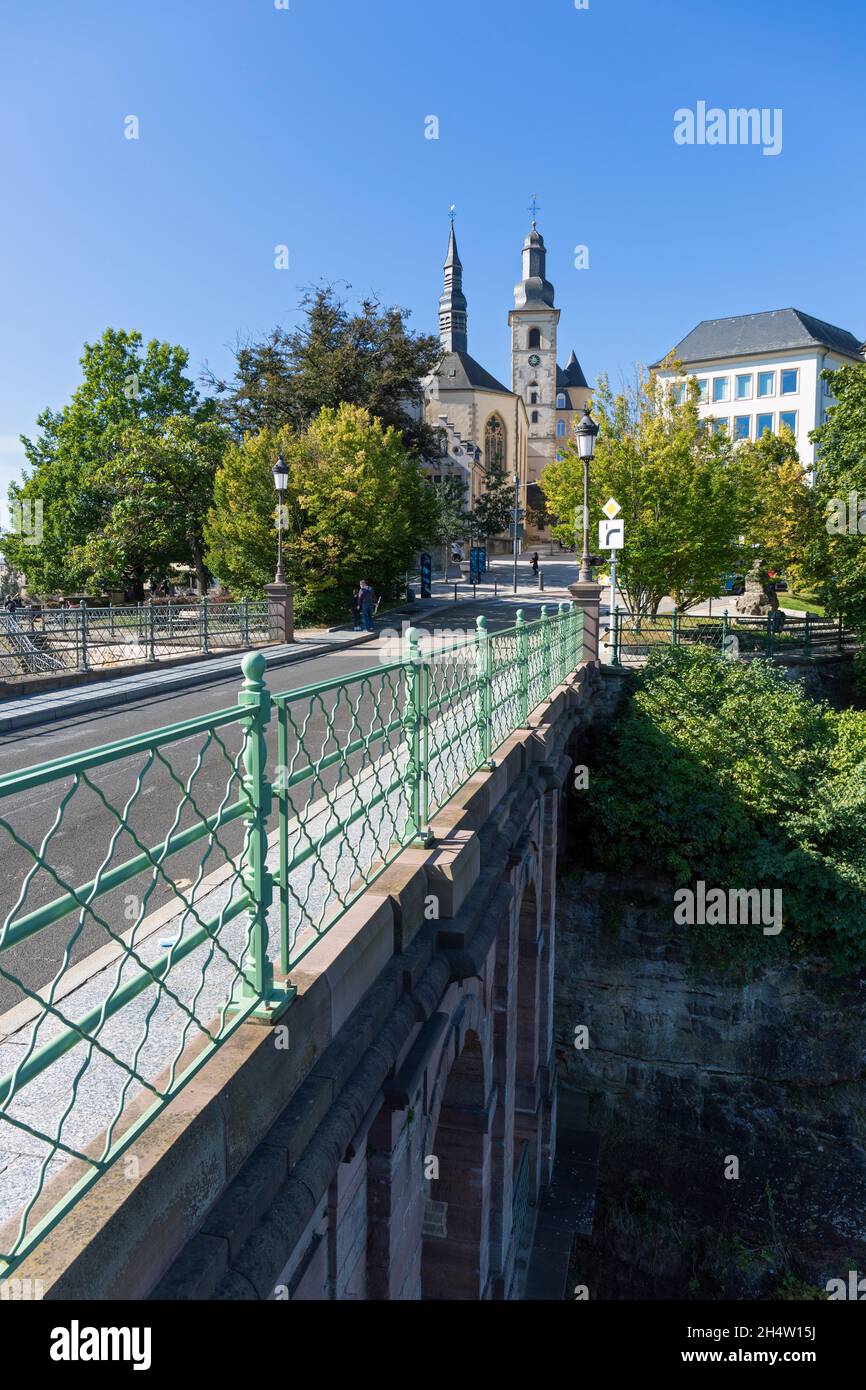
(534, 321)
(453, 328)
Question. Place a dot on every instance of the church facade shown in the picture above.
(484, 423)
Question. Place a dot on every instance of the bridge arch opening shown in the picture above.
(455, 1255)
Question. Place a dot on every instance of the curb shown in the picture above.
(187, 679)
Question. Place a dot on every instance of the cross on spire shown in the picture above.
(535, 209)
(452, 213)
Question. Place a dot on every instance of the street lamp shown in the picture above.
(586, 434)
(281, 482)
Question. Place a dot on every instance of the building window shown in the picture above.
(494, 443)
(788, 418)
(678, 393)
(721, 388)
(719, 426)
(766, 383)
(763, 425)
(560, 429)
(790, 382)
(742, 426)
(703, 384)
(560, 402)
(534, 338)
(535, 417)
(744, 387)
(533, 398)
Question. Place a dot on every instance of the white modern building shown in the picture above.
(758, 372)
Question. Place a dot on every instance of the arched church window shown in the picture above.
(494, 443)
(560, 401)
(535, 337)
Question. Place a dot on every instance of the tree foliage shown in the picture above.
(366, 357)
(85, 467)
(729, 773)
(357, 507)
(836, 556)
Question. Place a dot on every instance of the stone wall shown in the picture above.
(686, 1071)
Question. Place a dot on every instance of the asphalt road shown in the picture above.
(89, 836)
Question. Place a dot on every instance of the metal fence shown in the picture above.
(202, 862)
(631, 638)
(81, 639)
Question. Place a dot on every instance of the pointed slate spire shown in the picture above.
(453, 324)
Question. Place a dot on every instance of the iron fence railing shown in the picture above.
(82, 638)
(521, 1192)
(632, 637)
(216, 852)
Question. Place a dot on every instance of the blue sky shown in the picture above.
(306, 127)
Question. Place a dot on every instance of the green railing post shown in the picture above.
(808, 634)
(151, 619)
(769, 644)
(82, 618)
(255, 875)
(417, 723)
(545, 650)
(841, 635)
(245, 621)
(484, 676)
(724, 632)
(614, 632)
(674, 630)
(522, 668)
(111, 620)
(563, 642)
(204, 625)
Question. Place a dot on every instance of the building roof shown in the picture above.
(778, 330)
(572, 375)
(467, 374)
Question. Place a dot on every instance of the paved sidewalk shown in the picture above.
(25, 711)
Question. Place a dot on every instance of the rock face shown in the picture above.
(756, 600)
(686, 1072)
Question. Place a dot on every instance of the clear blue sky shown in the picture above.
(305, 126)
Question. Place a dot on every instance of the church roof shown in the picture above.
(458, 372)
(572, 375)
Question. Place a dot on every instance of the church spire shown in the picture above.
(534, 290)
(453, 333)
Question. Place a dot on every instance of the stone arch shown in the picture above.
(455, 1258)
(534, 339)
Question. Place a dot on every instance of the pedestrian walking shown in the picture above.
(368, 604)
(356, 608)
(535, 564)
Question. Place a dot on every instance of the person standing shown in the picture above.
(356, 608)
(368, 605)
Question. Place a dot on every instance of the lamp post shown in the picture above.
(281, 482)
(586, 434)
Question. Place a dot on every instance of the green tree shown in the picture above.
(452, 518)
(782, 519)
(493, 509)
(357, 507)
(159, 489)
(366, 358)
(124, 386)
(681, 497)
(836, 556)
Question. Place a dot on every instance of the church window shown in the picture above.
(494, 443)
(533, 399)
(560, 429)
(560, 401)
(535, 417)
(534, 337)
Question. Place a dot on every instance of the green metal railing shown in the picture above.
(82, 638)
(217, 852)
(631, 638)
